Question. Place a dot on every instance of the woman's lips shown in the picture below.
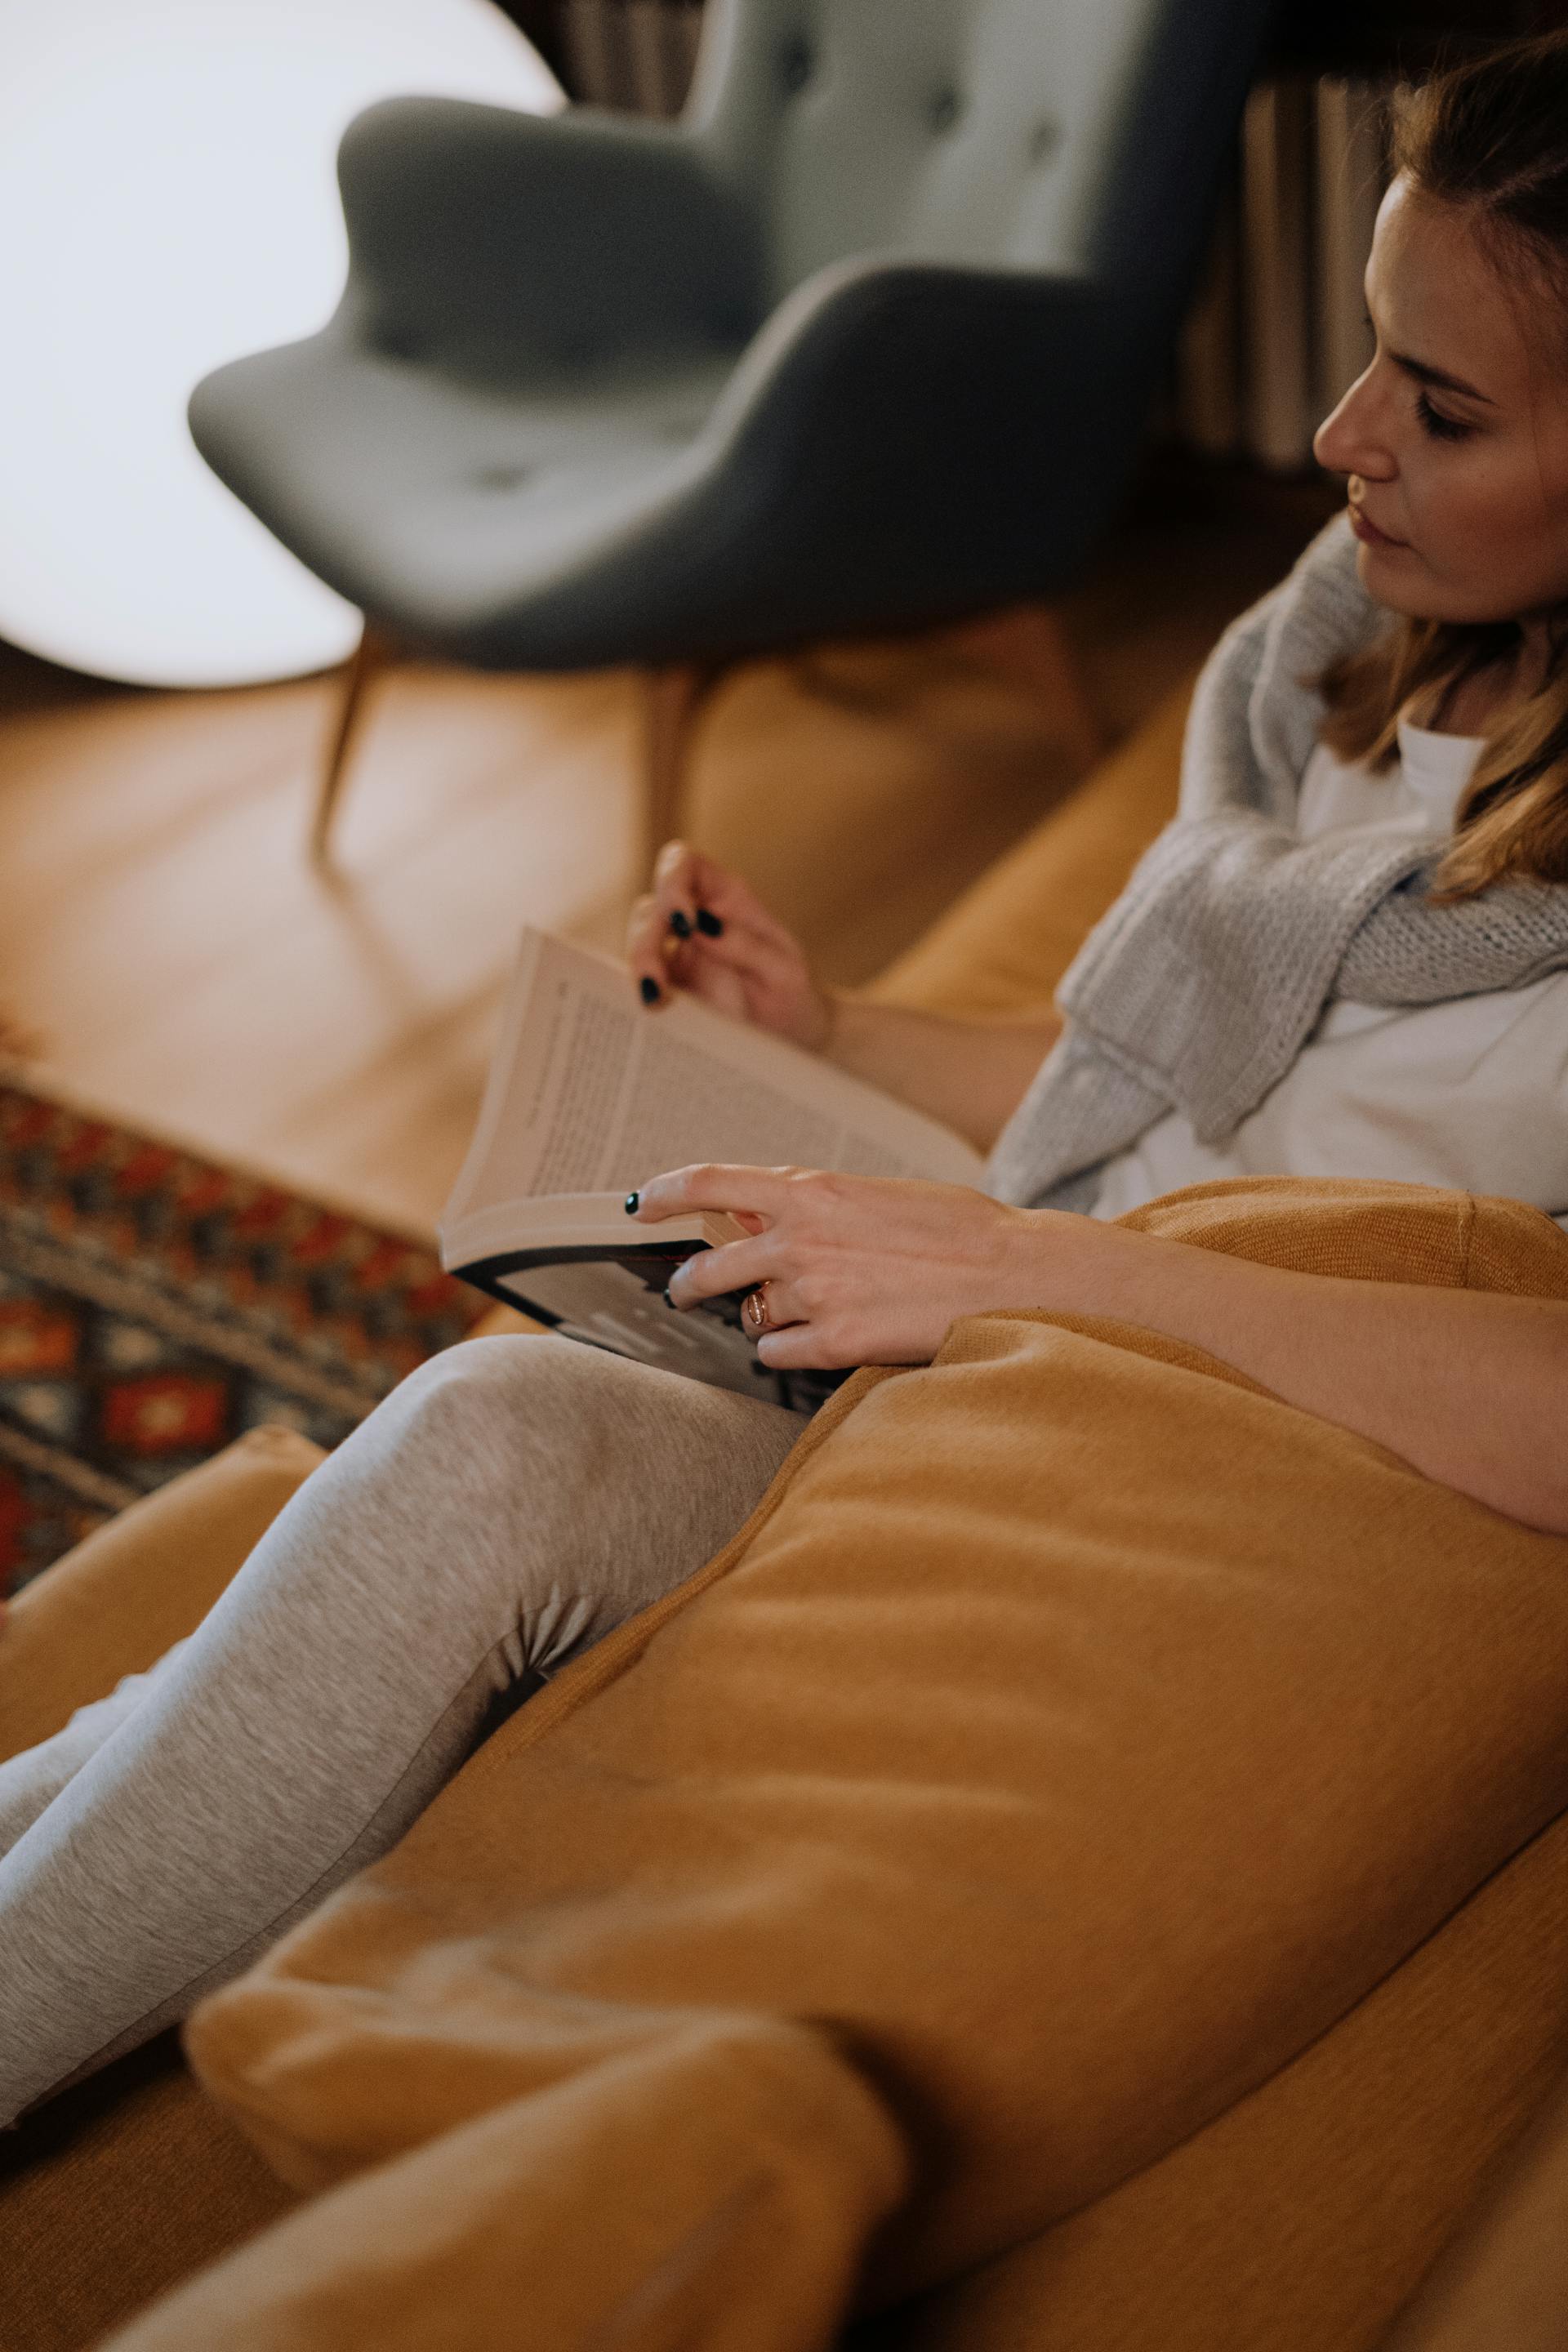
(1367, 531)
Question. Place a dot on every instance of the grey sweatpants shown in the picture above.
(506, 1507)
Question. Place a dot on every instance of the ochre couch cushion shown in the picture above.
(1072, 1737)
(101, 1612)
(1303, 2218)
(132, 2141)
(116, 2192)
(110, 2194)
(1504, 2279)
(1005, 944)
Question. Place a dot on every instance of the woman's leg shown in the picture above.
(508, 1505)
(34, 1777)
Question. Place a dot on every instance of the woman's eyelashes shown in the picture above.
(1432, 422)
(1438, 427)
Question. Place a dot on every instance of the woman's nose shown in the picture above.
(1348, 440)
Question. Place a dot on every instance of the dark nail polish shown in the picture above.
(668, 1299)
(632, 1199)
(679, 925)
(650, 989)
(709, 923)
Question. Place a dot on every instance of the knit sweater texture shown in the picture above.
(1199, 988)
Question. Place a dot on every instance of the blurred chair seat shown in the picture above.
(490, 511)
(863, 342)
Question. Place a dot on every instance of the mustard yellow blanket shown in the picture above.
(1074, 1732)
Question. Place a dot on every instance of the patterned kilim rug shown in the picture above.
(154, 1307)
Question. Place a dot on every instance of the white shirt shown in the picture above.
(1472, 1093)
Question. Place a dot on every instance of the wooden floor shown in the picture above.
(169, 958)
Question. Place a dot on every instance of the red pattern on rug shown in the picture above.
(154, 1305)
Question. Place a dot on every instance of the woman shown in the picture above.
(1351, 954)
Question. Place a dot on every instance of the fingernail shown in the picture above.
(632, 1199)
(679, 925)
(650, 989)
(668, 1299)
(710, 923)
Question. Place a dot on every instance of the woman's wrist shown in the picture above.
(1076, 1265)
(852, 1033)
(968, 1073)
(1467, 1385)
(830, 1013)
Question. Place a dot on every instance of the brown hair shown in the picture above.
(1491, 136)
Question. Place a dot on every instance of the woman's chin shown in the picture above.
(1390, 573)
(1396, 577)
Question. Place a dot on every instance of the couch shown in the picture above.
(1405, 2168)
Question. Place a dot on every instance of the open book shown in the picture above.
(588, 1096)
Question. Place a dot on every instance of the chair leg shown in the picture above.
(673, 701)
(370, 656)
(1028, 643)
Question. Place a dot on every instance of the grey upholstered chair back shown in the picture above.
(971, 131)
(864, 342)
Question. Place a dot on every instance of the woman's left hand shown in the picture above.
(860, 1269)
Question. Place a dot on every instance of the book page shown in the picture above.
(590, 1092)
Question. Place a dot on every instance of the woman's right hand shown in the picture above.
(703, 929)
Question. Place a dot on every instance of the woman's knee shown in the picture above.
(444, 1490)
(491, 1387)
(543, 1442)
(488, 1413)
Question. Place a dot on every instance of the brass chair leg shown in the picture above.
(370, 656)
(1028, 643)
(673, 701)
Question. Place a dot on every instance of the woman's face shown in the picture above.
(1456, 439)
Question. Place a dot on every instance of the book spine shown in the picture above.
(1208, 354)
(645, 50)
(587, 33)
(1351, 173)
(1277, 330)
(683, 24)
(1275, 276)
(635, 55)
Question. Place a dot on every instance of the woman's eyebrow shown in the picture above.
(1439, 377)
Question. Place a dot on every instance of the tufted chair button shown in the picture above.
(944, 109)
(1044, 139)
(795, 64)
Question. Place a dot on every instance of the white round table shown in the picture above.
(167, 202)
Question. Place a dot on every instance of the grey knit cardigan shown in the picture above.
(1199, 988)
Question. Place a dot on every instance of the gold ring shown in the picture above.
(754, 1308)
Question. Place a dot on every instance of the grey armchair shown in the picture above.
(862, 343)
